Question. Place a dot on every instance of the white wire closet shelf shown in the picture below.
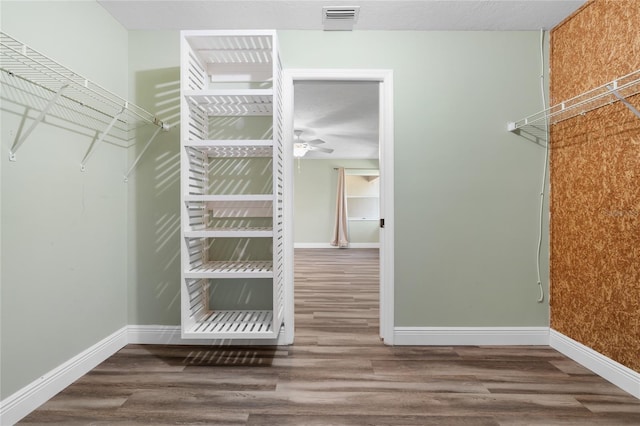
(68, 95)
(617, 90)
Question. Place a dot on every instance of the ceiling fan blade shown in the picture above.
(316, 142)
(321, 149)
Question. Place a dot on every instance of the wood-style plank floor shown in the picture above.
(339, 373)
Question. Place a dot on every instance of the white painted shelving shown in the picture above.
(232, 188)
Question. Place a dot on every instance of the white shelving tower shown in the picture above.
(230, 74)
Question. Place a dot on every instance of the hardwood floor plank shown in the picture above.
(373, 384)
(359, 420)
(339, 372)
(576, 386)
(479, 369)
(611, 404)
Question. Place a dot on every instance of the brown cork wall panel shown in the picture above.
(595, 186)
(595, 46)
(595, 232)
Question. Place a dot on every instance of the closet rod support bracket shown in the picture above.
(100, 138)
(164, 128)
(614, 92)
(38, 120)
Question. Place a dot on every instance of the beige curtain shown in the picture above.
(340, 230)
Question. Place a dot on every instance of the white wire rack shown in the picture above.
(67, 95)
(617, 90)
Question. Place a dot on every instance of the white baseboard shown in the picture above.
(470, 336)
(327, 245)
(27, 399)
(170, 335)
(621, 376)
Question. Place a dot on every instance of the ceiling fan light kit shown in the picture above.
(299, 150)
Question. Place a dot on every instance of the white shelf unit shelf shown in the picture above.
(228, 197)
(231, 232)
(233, 148)
(234, 324)
(230, 102)
(66, 95)
(232, 269)
(231, 188)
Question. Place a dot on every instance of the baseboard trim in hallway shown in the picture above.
(475, 336)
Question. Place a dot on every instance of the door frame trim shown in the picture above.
(386, 160)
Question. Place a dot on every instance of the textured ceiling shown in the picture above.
(343, 114)
(374, 15)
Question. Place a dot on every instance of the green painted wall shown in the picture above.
(465, 197)
(64, 247)
(466, 190)
(315, 183)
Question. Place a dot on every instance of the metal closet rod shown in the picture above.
(616, 90)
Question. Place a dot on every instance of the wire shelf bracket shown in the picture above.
(93, 146)
(617, 90)
(91, 104)
(144, 149)
(43, 113)
(624, 101)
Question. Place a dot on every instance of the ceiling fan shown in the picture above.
(301, 146)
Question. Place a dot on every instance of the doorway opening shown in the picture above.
(353, 130)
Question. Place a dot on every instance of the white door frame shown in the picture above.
(385, 78)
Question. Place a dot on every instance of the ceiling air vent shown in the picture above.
(340, 18)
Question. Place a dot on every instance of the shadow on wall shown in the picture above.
(155, 209)
(155, 206)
